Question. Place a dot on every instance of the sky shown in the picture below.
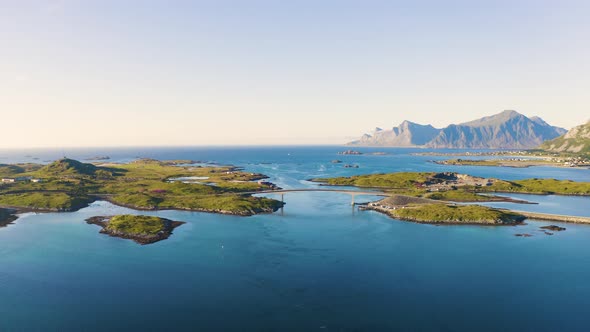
(157, 73)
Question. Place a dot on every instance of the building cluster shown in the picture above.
(572, 161)
(20, 179)
(268, 184)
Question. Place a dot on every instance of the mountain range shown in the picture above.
(505, 130)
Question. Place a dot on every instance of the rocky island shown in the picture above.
(141, 229)
(145, 184)
(350, 152)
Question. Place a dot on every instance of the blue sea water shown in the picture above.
(318, 265)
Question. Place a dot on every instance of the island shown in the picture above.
(144, 184)
(99, 158)
(433, 212)
(431, 197)
(350, 153)
(141, 229)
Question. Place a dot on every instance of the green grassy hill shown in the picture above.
(13, 170)
(67, 166)
(462, 214)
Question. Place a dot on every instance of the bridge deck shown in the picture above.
(342, 191)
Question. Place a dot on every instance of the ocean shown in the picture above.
(319, 264)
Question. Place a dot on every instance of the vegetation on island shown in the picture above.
(141, 229)
(459, 214)
(12, 170)
(67, 185)
(540, 186)
(136, 225)
(45, 201)
(458, 196)
(400, 180)
(430, 211)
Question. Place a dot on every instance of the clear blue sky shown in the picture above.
(75, 73)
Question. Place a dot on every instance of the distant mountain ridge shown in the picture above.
(577, 140)
(505, 130)
(406, 134)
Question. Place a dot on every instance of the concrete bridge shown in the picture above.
(352, 193)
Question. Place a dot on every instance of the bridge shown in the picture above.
(352, 193)
(554, 217)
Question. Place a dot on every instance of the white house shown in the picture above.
(18, 179)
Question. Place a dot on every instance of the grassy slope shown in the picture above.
(454, 214)
(136, 225)
(14, 170)
(542, 186)
(389, 180)
(456, 196)
(45, 201)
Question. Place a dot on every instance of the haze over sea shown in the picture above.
(317, 265)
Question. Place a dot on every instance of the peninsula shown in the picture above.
(145, 184)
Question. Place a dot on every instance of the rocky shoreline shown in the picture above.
(103, 221)
(7, 216)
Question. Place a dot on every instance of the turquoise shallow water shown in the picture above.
(319, 265)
